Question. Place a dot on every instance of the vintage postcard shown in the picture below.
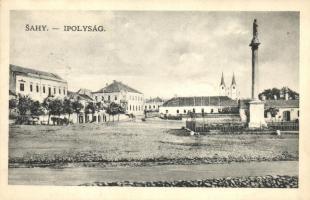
(154, 99)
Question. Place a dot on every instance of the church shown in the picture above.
(230, 91)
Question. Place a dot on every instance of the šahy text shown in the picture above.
(29, 27)
(93, 28)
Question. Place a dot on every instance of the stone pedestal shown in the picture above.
(257, 119)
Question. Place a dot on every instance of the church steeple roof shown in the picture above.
(222, 80)
(233, 82)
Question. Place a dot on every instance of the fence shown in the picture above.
(221, 127)
(283, 126)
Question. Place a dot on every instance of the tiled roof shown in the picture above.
(75, 95)
(281, 103)
(117, 86)
(36, 73)
(201, 101)
(152, 100)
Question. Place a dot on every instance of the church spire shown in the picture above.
(222, 80)
(233, 82)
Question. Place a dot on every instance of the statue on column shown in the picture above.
(255, 42)
(255, 32)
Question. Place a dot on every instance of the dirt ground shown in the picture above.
(139, 141)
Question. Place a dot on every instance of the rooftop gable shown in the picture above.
(36, 73)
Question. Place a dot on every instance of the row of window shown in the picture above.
(150, 107)
(109, 98)
(194, 111)
(135, 108)
(137, 98)
(37, 89)
(115, 98)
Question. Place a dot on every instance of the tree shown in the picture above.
(91, 108)
(115, 109)
(12, 104)
(36, 108)
(56, 107)
(77, 106)
(47, 105)
(24, 104)
(270, 94)
(68, 107)
(272, 110)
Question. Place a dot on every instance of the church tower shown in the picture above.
(233, 88)
(222, 91)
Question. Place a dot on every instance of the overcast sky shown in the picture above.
(160, 53)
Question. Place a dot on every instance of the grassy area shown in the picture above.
(138, 141)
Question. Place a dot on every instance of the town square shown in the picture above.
(157, 99)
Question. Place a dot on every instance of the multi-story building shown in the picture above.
(131, 99)
(36, 84)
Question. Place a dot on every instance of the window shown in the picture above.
(37, 87)
(150, 106)
(145, 107)
(43, 88)
(30, 87)
(298, 113)
(233, 87)
(129, 107)
(212, 110)
(177, 111)
(136, 108)
(194, 110)
(109, 98)
(154, 106)
(59, 91)
(115, 98)
(102, 98)
(64, 91)
(202, 110)
(184, 111)
(21, 87)
(167, 111)
(54, 90)
(49, 91)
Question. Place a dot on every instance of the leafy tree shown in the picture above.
(36, 108)
(24, 104)
(91, 108)
(77, 106)
(68, 107)
(56, 107)
(47, 105)
(114, 109)
(12, 104)
(270, 94)
(272, 110)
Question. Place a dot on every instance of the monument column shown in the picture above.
(256, 107)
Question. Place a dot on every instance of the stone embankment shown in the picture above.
(93, 160)
(238, 182)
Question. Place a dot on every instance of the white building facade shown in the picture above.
(200, 105)
(131, 99)
(36, 84)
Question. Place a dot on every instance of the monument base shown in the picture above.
(256, 112)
